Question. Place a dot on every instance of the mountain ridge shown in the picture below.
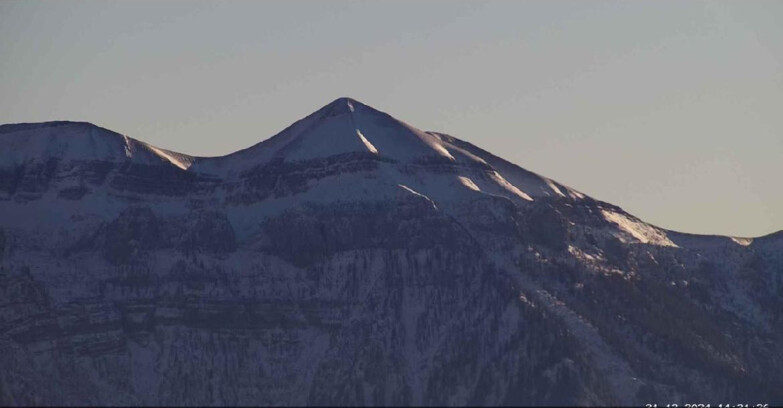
(215, 165)
(310, 269)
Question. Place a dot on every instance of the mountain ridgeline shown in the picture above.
(353, 259)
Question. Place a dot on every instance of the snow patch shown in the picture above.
(366, 142)
(553, 187)
(575, 194)
(468, 183)
(176, 160)
(412, 191)
(128, 153)
(578, 253)
(508, 186)
(442, 150)
(742, 241)
(644, 233)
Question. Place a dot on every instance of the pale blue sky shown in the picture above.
(672, 110)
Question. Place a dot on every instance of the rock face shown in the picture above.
(353, 259)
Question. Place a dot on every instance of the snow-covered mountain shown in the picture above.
(355, 259)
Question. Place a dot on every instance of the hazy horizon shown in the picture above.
(669, 110)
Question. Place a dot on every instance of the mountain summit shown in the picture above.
(346, 126)
(353, 259)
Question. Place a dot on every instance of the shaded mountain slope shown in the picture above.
(353, 259)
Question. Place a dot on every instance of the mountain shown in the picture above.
(353, 259)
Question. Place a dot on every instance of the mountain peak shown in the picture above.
(342, 126)
(344, 105)
(344, 100)
(346, 129)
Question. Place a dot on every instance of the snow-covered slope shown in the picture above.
(354, 259)
(77, 141)
(342, 127)
(350, 129)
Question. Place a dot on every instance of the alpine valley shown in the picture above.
(353, 259)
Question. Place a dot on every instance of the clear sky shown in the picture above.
(672, 110)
